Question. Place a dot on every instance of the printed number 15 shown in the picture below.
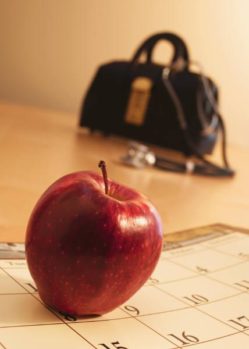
(114, 344)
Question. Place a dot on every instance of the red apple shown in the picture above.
(91, 243)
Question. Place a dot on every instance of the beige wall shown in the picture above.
(50, 48)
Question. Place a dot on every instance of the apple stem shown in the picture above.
(102, 165)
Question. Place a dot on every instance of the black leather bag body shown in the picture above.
(168, 106)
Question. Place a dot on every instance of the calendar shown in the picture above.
(198, 296)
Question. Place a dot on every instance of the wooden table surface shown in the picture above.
(38, 146)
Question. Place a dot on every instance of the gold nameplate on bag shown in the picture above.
(138, 101)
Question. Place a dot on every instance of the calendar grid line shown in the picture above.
(131, 316)
(211, 277)
(152, 329)
(16, 281)
(235, 235)
(79, 321)
(245, 259)
(33, 325)
(11, 268)
(197, 307)
(203, 244)
(209, 274)
(183, 254)
(66, 323)
(63, 322)
(224, 283)
(51, 310)
(210, 340)
(2, 346)
(160, 312)
(154, 313)
(18, 268)
(193, 306)
(13, 294)
(213, 317)
(205, 247)
(172, 326)
(214, 271)
(176, 280)
(76, 332)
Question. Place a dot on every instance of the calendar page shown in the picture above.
(198, 296)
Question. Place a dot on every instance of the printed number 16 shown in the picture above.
(114, 344)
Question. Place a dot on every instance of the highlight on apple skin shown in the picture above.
(91, 243)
